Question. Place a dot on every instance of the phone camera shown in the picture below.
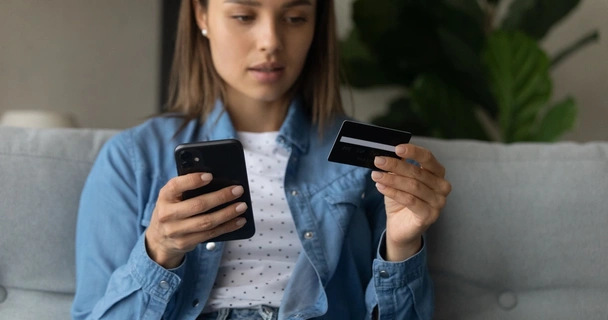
(185, 155)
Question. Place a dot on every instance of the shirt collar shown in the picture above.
(218, 125)
(294, 132)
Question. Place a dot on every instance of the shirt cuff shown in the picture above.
(397, 274)
(154, 279)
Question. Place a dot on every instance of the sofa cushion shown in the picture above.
(525, 231)
(42, 172)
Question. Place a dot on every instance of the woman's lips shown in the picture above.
(267, 75)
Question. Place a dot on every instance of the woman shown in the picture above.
(332, 242)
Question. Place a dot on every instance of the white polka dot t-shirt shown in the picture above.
(256, 271)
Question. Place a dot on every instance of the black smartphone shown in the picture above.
(226, 161)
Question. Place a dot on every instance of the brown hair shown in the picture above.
(195, 85)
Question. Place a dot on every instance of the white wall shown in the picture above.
(584, 75)
(97, 59)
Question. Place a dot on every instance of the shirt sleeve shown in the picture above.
(397, 290)
(401, 290)
(115, 278)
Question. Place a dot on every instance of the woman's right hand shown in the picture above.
(177, 226)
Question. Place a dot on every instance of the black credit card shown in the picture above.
(358, 144)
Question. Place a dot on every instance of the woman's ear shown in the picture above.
(200, 13)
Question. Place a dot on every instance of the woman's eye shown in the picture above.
(243, 18)
(296, 20)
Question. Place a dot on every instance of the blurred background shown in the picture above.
(104, 63)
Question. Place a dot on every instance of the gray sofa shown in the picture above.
(524, 235)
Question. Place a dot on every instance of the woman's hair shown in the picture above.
(195, 85)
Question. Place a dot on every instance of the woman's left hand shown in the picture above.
(414, 197)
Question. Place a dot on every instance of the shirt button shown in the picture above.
(363, 195)
(384, 274)
(195, 303)
(294, 193)
(507, 300)
(308, 235)
(210, 246)
(164, 284)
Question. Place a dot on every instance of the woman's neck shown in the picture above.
(256, 116)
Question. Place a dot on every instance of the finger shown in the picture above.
(411, 186)
(224, 228)
(406, 169)
(173, 190)
(425, 214)
(423, 156)
(208, 221)
(206, 202)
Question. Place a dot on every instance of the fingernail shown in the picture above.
(207, 177)
(237, 191)
(400, 150)
(241, 207)
(377, 175)
(379, 161)
(240, 222)
(380, 186)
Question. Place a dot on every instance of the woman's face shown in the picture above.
(258, 47)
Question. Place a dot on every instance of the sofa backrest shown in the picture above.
(42, 172)
(525, 231)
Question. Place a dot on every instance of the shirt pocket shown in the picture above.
(155, 185)
(147, 214)
(345, 206)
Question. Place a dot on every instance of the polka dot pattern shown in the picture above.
(256, 271)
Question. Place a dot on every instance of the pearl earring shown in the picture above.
(204, 32)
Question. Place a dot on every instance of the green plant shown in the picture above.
(458, 67)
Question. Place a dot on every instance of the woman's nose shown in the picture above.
(269, 37)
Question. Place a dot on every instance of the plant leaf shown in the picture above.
(470, 8)
(518, 70)
(463, 69)
(410, 37)
(462, 38)
(537, 17)
(400, 35)
(401, 116)
(359, 65)
(352, 48)
(378, 17)
(449, 114)
(560, 118)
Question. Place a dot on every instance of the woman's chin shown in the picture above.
(268, 96)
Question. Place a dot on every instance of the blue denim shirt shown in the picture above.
(339, 275)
